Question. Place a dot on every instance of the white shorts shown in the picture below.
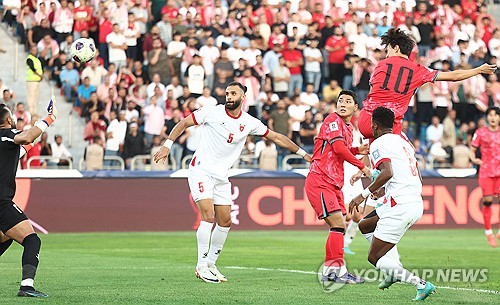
(395, 220)
(204, 186)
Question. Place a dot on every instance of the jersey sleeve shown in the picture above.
(7, 135)
(378, 154)
(200, 115)
(426, 75)
(476, 139)
(258, 128)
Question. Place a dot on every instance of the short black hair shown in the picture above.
(492, 108)
(397, 37)
(350, 93)
(242, 87)
(4, 113)
(384, 117)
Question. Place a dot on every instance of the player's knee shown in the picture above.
(32, 241)
(224, 222)
(208, 218)
(487, 201)
(337, 229)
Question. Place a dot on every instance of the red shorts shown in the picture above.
(365, 125)
(490, 186)
(324, 197)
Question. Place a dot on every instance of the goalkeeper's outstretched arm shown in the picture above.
(27, 137)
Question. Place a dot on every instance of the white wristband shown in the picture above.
(365, 193)
(168, 143)
(42, 125)
(301, 152)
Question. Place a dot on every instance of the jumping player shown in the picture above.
(14, 225)
(488, 140)
(225, 129)
(324, 182)
(396, 79)
(384, 227)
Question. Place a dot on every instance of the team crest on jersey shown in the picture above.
(242, 127)
(334, 126)
(376, 154)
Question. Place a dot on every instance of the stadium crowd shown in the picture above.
(158, 61)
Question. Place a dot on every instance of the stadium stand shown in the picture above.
(295, 53)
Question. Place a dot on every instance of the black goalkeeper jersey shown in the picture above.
(9, 159)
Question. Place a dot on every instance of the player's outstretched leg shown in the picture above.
(334, 268)
(219, 235)
(486, 209)
(393, 268)
(31, 244)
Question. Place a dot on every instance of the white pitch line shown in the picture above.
(315, 273)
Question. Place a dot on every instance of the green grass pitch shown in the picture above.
(157, 268)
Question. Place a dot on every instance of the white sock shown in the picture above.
(396, 270)
(489, 232)
(203, 237)
(28, 282)
(368, 236)
(219, 236)
(350, 233)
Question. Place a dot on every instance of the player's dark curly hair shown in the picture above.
(350, 93)
(383, 117)
(242, 87)
(397, 37)
(496, 109)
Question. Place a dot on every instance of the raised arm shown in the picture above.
(285, 142)
(459, 75)
(27, 137)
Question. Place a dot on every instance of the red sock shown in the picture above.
(335, 247)
(487, 217)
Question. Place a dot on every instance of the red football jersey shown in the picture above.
(394, 81)
(324, 160)
(489, 143)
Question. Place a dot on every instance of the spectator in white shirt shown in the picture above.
(59, 150)
(117, 46)
(154, 119)
(309, 97)
(95, 72)
(206, 98)
(115, 135)
(313, 60)
(209, 54)
(176, 88)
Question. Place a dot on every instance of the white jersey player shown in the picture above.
(225, 129)
(403, 205)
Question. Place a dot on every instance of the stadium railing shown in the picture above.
(121, 164)
(171, 165)
(185, 161)
(50, 165)
(287, 166)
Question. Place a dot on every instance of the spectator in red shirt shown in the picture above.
(83, 16)
(294, 62)
(171, 11)
(318, 16)
(337, 46)
(105, 28)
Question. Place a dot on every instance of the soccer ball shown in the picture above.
(82, 50)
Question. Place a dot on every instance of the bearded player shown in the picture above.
(487, 139)
(325, 180)
(225, 130)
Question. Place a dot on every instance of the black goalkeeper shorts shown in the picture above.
(10, 215)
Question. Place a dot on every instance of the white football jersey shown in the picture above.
(223, 138)
(405, 184)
